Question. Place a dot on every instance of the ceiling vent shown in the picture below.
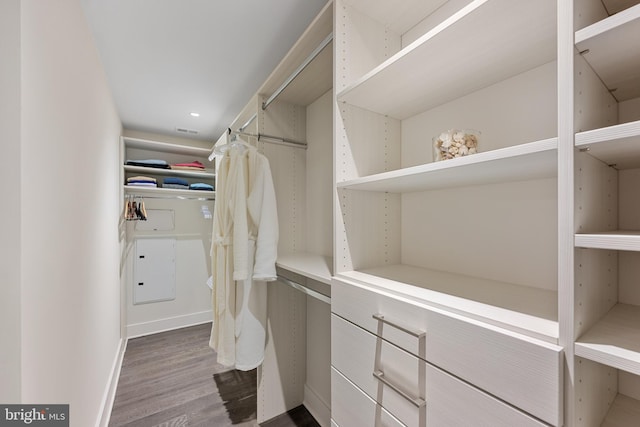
(189, 131)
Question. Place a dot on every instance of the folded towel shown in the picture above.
(141, 179)
(175, 180)
(149, 164)
(176, 186)
(187, 168)
(142, 184)
(194, 164)
(201, 186)
(150, 161)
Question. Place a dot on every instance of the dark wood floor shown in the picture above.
(172, 379)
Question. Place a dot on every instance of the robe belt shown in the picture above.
(223, 241)
(228, 240)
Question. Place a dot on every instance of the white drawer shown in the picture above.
(451, 402)
(354, 353)
(520, 370)
(350, 407)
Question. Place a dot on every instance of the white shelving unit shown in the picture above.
(141, 149)
(475, 236)
(399, 88)
(607, 170)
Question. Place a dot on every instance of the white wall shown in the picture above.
(70, 211)
(192, 305)
(10, 214)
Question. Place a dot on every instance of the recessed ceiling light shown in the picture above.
(194, 114)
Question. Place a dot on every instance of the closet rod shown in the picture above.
(272, 139)
(244, 126)
(305, 290)
(298, 70)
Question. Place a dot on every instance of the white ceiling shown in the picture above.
(166, 58)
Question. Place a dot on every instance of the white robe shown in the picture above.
(244, 252)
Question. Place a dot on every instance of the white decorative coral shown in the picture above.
(455, 143)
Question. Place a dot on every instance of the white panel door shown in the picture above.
(154, 271)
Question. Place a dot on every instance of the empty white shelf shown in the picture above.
(617, 145)
(530, 311)
(313, 266)
(533, 160)
(610, 48)
(466, 52)
(165, 147)
(614, 240)
(624, 412)
(615, 340)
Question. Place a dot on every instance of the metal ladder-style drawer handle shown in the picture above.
(413, 332)
(417, 401)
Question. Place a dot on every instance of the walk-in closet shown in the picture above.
(458, 219)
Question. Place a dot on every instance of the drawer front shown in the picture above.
(350, 407)
(358, 305)
(399, 383)
(520, 370)
(451, 402)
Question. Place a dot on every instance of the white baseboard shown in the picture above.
(168, 324)
(317, 407)
(110, 391)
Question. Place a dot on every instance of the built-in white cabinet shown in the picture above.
(607, 212)
(461, 252)
(476, 234)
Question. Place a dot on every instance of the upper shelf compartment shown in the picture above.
(474, 48)
(609, 46)
(522, 162)
(617, 146)
(165, 147)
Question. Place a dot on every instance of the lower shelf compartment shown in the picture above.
(526, 310)
(615, 340)
(624, 411)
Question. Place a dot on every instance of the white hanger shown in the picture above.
(219, 150)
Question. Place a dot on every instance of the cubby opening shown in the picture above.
(605, 396)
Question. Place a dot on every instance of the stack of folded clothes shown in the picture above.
(195, 165)
(174, 182)
(151, 163)
(142, 181)
(201, 186)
